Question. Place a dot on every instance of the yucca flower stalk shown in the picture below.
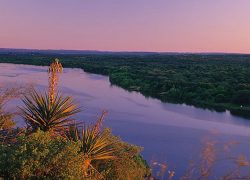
(98, 124)
(54, 69)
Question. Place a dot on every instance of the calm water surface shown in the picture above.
(169, 133)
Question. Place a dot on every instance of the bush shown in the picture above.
(40, 155)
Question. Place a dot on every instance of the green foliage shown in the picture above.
(40, 155)
(40, 113)
(209, 81)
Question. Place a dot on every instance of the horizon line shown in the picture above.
(128, 51)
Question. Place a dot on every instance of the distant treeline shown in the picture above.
(218, 81)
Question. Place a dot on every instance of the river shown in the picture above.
(169, 133)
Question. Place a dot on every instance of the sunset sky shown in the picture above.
(127, 25)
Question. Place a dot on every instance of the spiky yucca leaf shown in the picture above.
(39, 112)
(73, 133)
(96, 146)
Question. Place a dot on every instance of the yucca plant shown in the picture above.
(95, 146)
(40, 112)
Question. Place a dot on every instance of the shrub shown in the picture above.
(40, 155)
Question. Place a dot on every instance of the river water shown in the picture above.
(169, 133)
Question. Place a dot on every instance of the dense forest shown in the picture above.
(214, 81)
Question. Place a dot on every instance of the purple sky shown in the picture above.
(127, 25)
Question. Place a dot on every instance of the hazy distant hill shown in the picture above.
(83, 52)
(86, 52)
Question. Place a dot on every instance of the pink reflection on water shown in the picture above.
(94, 93)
